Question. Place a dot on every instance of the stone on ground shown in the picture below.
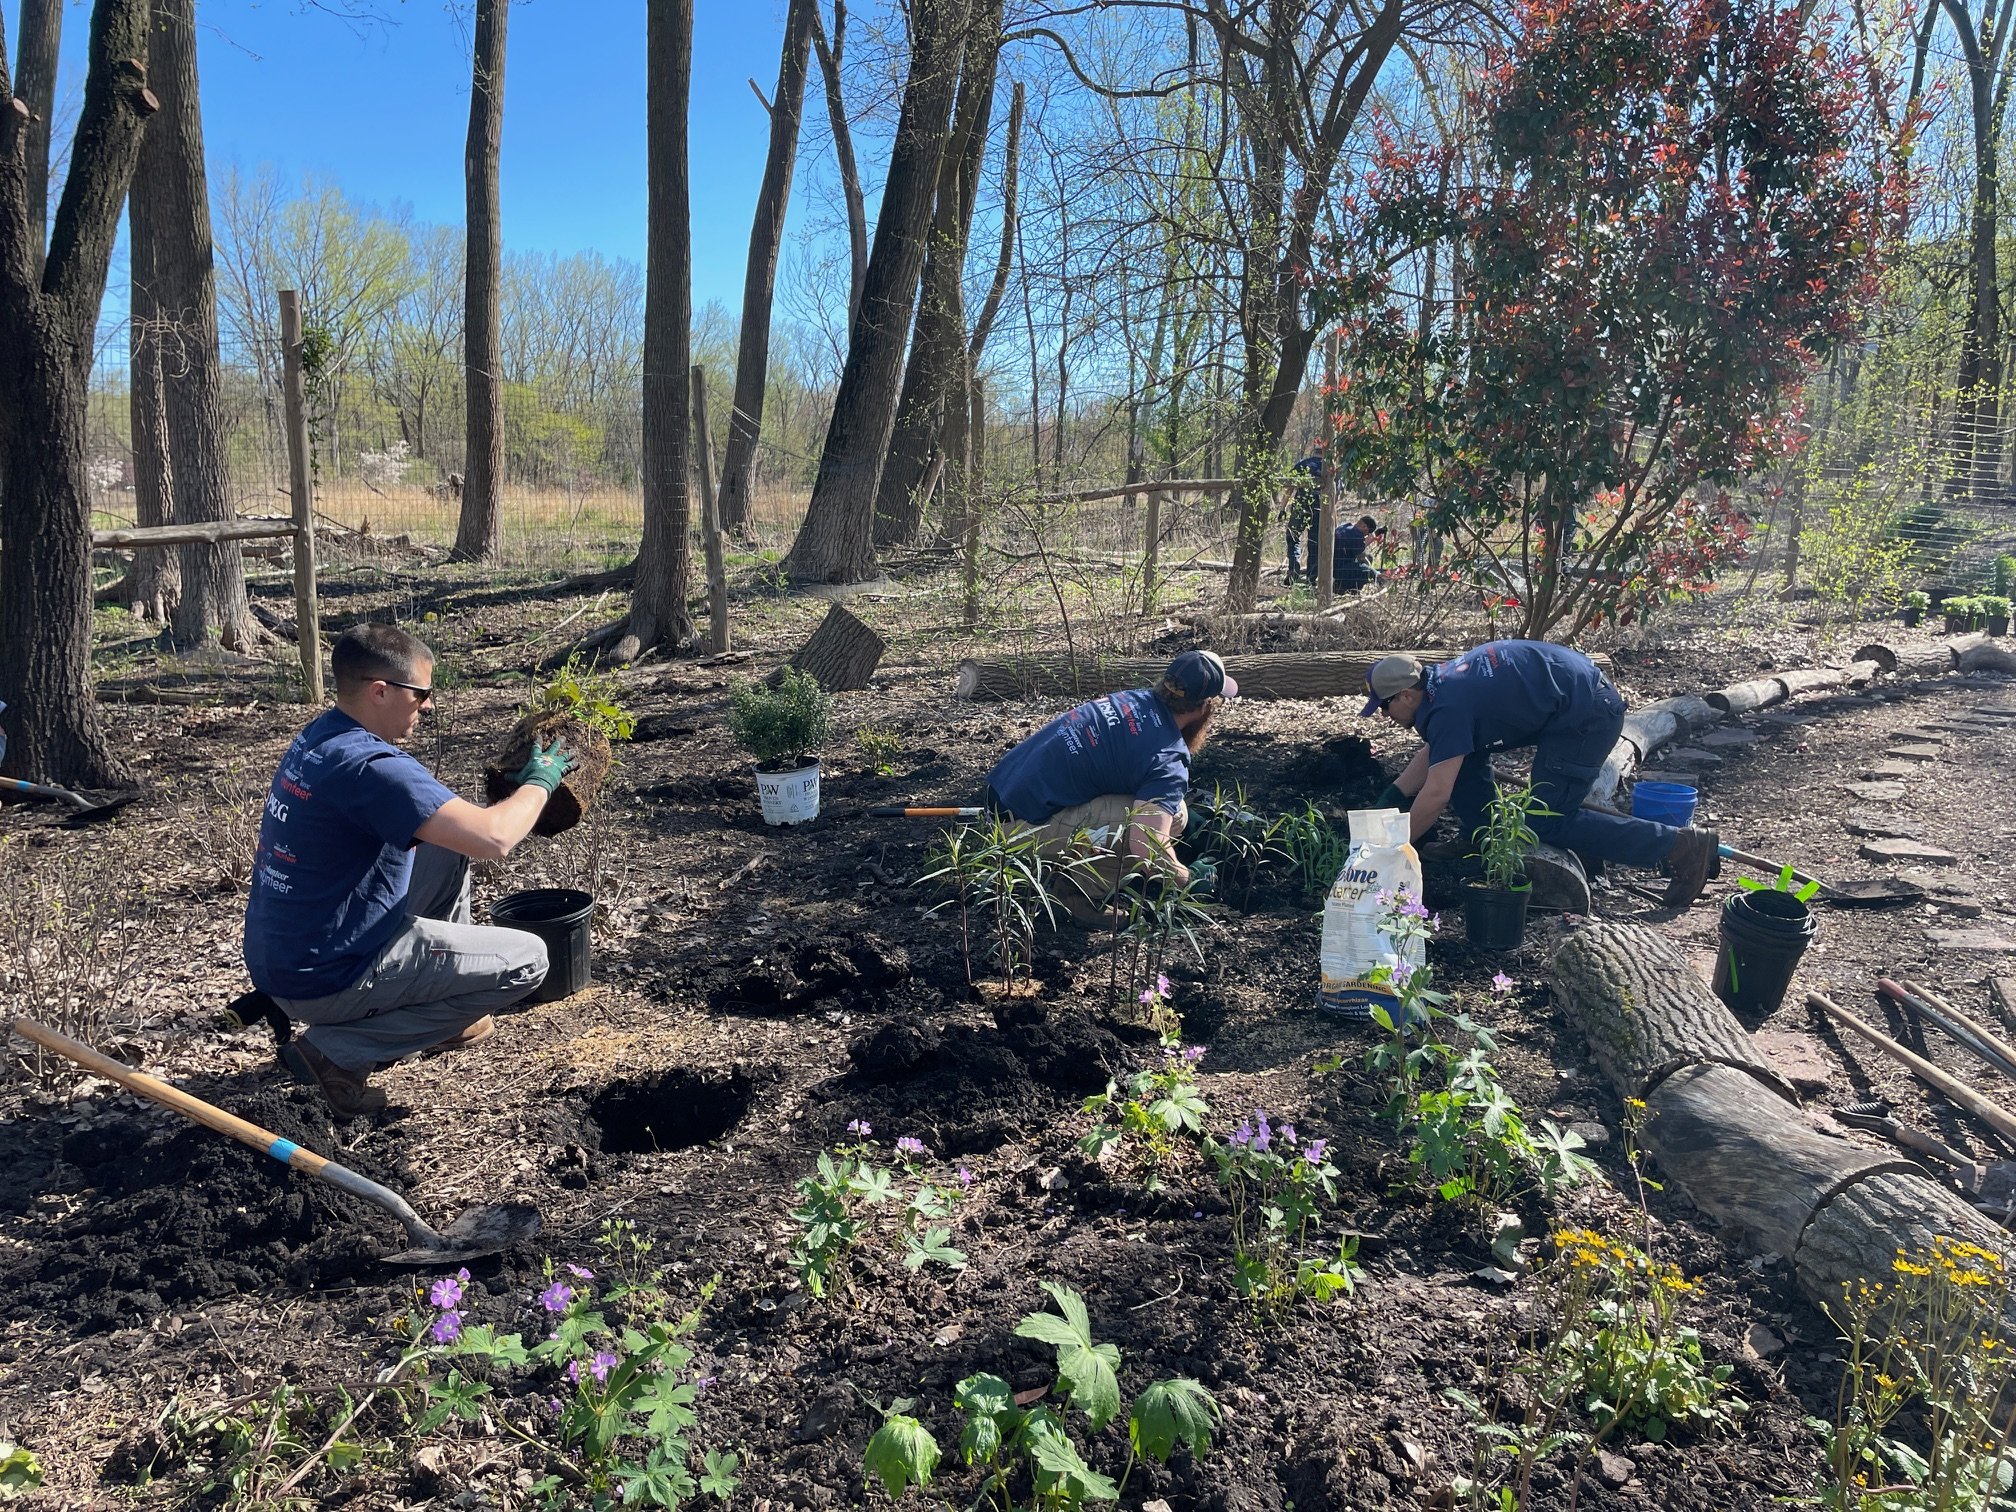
(1721, 740)
(1877, 792)
(1985, 940)
(1906, 850)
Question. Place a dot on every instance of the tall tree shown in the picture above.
(831, 56)
(170, 213)
(35, 86)
(476, 533)
(154, 581)
(836, 543)
(938, 346)
(46, 328)
(759, 282)
(665, 559)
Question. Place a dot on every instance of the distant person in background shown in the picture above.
(1353, 570)
(1305, 508)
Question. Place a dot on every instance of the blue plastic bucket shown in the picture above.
(1664, 802)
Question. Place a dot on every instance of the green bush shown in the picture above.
(787, 722)
(2005, 576)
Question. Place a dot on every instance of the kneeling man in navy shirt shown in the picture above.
(1512, 693)
(358, 923)
(1118, 769)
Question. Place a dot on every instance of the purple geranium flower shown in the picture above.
(1263, 1136)
(701, 1383)
(1243, 1135)
(1313, 1151)
(1502, 983)
(1149, 996)
(447, 1328)
(965, 1177)
(1193, 1054)
(580, 1273)
(908, 1146)
(1403, 972)
(1287, 1133)
(445, 1293)
(1414, 908)
(861, 1127)
(556, 1297)
(602, 1364)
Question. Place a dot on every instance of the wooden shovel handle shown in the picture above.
(1993, 1114)
(142, 1085)
(924, 813)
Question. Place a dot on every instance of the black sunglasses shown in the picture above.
(420, 695)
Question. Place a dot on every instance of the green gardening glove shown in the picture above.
(546, 766)
(1393, 798)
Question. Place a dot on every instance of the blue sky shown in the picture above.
(381, 109)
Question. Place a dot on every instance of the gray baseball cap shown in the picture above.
(1390, 675)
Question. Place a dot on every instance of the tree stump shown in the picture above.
(842, 654)
(1730, 1132)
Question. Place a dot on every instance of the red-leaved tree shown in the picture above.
(1678, 210)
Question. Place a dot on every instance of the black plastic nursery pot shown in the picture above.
(560, 916)
(1998, 624)
(1495, 918)
(1911, 618)
(1956, 624)
(1763, 935)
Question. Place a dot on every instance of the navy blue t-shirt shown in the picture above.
(1124, 743)
(1350, 544)
(1503, 694)
(335, 858)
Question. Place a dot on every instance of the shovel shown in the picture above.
(1863, 892)
(479, 1231)
(82, 810)
(899, 812)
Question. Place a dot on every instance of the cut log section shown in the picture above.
(1728, 1132)
(1977, 653)
(1967, 653)
(1745, 697)
(1286, 674)
(842, 654)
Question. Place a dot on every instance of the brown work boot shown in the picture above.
(1688, 864)
(350, 1093)
(467, 1035)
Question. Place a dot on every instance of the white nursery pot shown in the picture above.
(789, 797)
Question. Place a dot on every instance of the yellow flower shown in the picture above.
(1908, 1268)
(1970, 1278)
(1634, 1102)
(1888, 1383)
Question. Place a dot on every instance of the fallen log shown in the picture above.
(1745, 697)
(1907, 661)
(1812, 679)
(1274, 675)
(1977, 653)
(1733, 1137)
(1647, 730)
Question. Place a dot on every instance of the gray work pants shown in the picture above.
(434, 978)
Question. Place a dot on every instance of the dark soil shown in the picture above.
(758, 991)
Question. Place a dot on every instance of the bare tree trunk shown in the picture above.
(843, 153)
(836, 543)
(152, 584)
(170, 214)
(665, 561)
(759, 283)
(938, 347)
(41, 41)
(477, 531)
(46, 327)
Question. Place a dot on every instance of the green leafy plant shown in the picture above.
(1507, 837)
(1155, 912)
(1001, 878)
(1918, 1424)
(1240, 844)
(1315, 847)
(20, 1471)
(1276, 1184)
(2005, 576)
(590, 698)
(879, 747)
(783, 725)
(1146, 1121)
(1787, 881)
(1004, 1440)
(1918, 601)
(841, 1206)
(1994, 606)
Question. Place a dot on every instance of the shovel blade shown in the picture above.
(1870, 892)
(479, 1231)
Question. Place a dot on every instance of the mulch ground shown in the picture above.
(758, 990)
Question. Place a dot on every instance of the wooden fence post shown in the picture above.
(1151, 551)
(301, 489)
(710, 521)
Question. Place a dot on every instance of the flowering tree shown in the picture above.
(1678, 207)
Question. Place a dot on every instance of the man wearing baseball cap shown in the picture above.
(1512, 693)
(1118, 768)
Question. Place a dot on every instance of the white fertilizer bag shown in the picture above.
(1380, 861)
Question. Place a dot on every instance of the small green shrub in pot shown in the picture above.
(781, 727)
(1494, 911)
(1915, 605)
(1995, 610)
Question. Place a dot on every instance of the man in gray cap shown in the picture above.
(1118, 764)
(1512, 693)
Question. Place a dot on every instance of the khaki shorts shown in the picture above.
(1104, 820)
